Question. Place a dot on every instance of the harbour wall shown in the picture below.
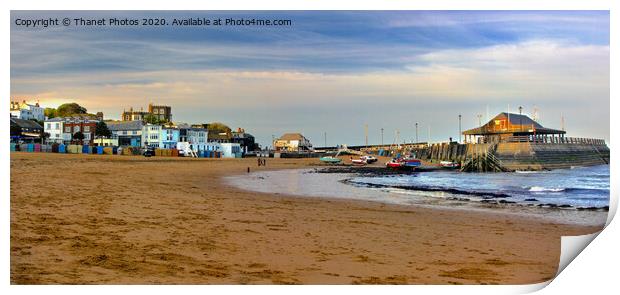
(519, 155)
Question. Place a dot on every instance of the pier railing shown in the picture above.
(554, 140)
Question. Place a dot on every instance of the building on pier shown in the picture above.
(509, 126)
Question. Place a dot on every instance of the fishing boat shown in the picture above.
(404, 163)
(369, 159)
(394, 163)
(330, 160)
(360, 162)
(411, 163)
(449, 165)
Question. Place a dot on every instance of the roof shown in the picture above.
(518, 123)
(25, 123)
(291, 136)
(125, 125)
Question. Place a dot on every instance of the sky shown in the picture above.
(329, 73)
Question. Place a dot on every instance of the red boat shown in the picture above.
(394, 163)
(407, 163)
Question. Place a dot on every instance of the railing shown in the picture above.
(554, 140)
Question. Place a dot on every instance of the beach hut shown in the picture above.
(114, 150)
(62, 148)
(174, 152)
(99, 150)
(13, 147)
(86, 149)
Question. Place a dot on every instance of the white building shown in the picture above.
(195, 137)
(55, 128)
(26, 111)
(292, 142)
(151, 135)
(231, 150)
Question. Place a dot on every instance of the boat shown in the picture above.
(361, 161)
(412, 163)
(394, 163)
(449, 165)
(404, 163)
(369, 159)
(330, 160)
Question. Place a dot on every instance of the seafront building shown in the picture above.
(508, 126)
(292, 142)
(132, 130)
(25, 130)
(231, 150)
(26, 111)
(196, 137)
(62, 130)
(55, 127)
(169, 137)
(245, 140)
(151, 135)
(128, 133)
(162, 113)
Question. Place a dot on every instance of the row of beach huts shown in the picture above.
(107, 150)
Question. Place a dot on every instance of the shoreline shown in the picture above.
(131, 220)
(543, 213)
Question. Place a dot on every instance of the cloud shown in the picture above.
(430, 64)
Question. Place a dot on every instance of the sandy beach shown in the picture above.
(95, 219)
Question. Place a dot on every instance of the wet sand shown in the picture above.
(93, 219)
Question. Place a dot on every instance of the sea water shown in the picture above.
(579, 187)
(576, 196)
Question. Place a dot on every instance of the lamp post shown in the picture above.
(325, 137)
(381, 136)
(460, 127)
(366, 133)
(520, 118)
(416, 132)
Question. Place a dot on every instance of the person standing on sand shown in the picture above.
(259, 161)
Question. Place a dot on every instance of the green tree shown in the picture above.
(50, 113)
(219, 130)
(152, 119)
(101, 130)
(69, 109)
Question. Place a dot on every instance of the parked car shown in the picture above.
(149, 152)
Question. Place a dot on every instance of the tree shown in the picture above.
(152, 119)
(50, 113)
(101, 130)
(219, 130)
(78, 136)
(70, 109)
(219, 127)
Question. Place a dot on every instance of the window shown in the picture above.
(57, 126)
(48, 126)
(86, 128)
(76, 129)
(67, 129)
(135, 132)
